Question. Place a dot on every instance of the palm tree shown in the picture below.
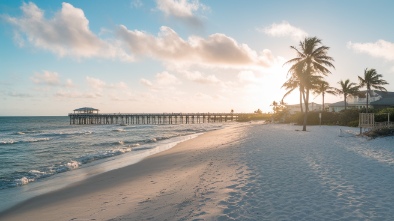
(290, 85)
(347, 88)
(310, 65)
(324, 88)
(372, 80)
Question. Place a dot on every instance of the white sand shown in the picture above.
(251, 172)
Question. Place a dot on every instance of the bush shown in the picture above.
(344, 118)
(347, 116)
(254, 116)
(382, 114)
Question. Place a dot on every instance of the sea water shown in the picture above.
(40, 154)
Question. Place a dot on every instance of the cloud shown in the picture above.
(284, 29)
(198, 77)
(215, 50)
(165, 78)
(47, 78)
(95, 83)
(136, 3)
(202, 96)
(146, 82)
(99, 84)
(248, 77)
(76, 94)
(162, 81)
(182, 9)
(380, 49)
(20, 95)
(66, 34)
(69, 83)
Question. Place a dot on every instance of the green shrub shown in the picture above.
(382, 114)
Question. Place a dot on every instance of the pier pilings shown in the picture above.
(162, 118)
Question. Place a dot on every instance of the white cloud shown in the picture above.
(284, 29)
(248, 77)
(203, 96)
(162, 81)
(146, 82)
(183, 9)
(216, 50)
(69, 83)
(96, 83)
(198, 77)
(20, 95)
(165, 78)
(136, 3)
(120, 85)
(380, 49)
(47, 78)
(66, 34)
(99, 84)
(77, 94)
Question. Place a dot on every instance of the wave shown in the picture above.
(30, 140)
(26, 132)
(117, 143)
(104, 154)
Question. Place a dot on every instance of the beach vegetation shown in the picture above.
(258, 111)
(347, 88)
(372, 80)
(307, 69)
(322, 88)
(254, 117)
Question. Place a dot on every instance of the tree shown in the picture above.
(372, 80)
(347, 88)
(293, 83)
(310, 65)
(324, 88)
(274, 106)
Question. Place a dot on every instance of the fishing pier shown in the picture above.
(87, 115)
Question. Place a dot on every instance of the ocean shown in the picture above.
(40, 154)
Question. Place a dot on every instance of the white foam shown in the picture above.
(23, 181)
(72, 165)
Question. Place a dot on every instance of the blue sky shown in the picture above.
(178, 55)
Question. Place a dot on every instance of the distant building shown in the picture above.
(295, 108)
(377, 99)
(86, 110)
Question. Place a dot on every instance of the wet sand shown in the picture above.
(181, 183)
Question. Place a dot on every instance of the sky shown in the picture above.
(155, 56)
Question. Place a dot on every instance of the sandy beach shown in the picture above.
(245, 172)
(184, 182)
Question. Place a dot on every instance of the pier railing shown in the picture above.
(151, 118)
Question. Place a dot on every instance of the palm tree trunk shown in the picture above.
(345, 101)
(367, 100)
(302, 109)
(323, 103)
(306, 110)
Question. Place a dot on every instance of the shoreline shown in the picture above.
(246, 172)
(97, 193)
(58, 181)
